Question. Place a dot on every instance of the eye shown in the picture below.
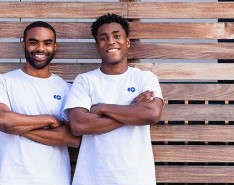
(33, 43)
(48, 43)
(117, 36)
(102, 38)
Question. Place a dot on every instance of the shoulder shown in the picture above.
(88, 75)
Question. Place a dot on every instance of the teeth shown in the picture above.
(112, 50)
(39, 56)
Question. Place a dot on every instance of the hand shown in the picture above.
(56, 122)
(144, 97)
(96, 109)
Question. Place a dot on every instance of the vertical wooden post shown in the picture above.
(132, 40)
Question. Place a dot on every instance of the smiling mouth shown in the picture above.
(112, 50)
(40, 56)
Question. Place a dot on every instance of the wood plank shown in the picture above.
(87, 50)
(165, 71)
(63, 10)
(196, 133)
(64, 30)
(217, 92)
(193, 153)
(181, 51)
(139, 30)
(184, 10)
(195, 174)
(135, 9)
(197, 112)
(189, 71)
(187, 30)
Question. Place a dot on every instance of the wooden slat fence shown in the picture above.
(194, 142)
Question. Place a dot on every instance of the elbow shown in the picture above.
(154, 117)
(77, 128)
(75, 143)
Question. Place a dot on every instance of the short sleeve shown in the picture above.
(4, 99)
(77, 97)
(150, 82)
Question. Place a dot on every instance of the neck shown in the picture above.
(114, 69)
(39, 73)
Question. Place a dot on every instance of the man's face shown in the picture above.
(39, 46)
(112, 43)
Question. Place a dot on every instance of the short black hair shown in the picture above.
(39, 24)
(107, 19)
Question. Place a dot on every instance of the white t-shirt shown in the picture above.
(123, 156)
(23, 161)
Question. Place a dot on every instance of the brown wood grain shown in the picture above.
(182, 30)
(165, 71)
(198, 112)
(127, 9)
(181, 10)
(87, 50)
(139, 30)
(60, 9)
(195, 174)
(173, 91)
(183, 133)
(193, 153)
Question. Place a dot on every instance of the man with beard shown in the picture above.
(33, 138)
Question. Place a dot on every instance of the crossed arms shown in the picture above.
(33, 127)
(102, 118)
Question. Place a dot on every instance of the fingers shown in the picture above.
(144, 97)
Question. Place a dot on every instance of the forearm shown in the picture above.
(14, 123)
(141, 113)
(85, 123)
(60, 136)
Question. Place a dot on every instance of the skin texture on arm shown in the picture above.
(18, 124)
(84, 122)
(141, 113)
(60, 136)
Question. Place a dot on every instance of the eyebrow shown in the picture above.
(113, 32)
(47, 40)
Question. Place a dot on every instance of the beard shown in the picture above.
(38, 65)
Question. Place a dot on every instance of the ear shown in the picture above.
(55, 46)
(23, 44)
(128, 43)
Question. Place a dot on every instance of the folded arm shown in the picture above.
(60, 136)
(14, 123)
(83, 122)
(140, 113)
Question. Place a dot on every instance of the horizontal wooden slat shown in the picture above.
(87, 50)
(139, 30)
(165, 71)
(187, 30)
(212, 133)
(193, 153)
(181, 10)
(195, 174)
(191, 112)
(64, 30)
(181, 51)
(190, 71)
(130, 10)
(214, 92)
(60, 9)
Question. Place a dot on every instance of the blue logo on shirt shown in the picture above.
(58, 97)
(131, 89)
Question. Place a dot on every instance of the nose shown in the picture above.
(111, 40)
(40, 47)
